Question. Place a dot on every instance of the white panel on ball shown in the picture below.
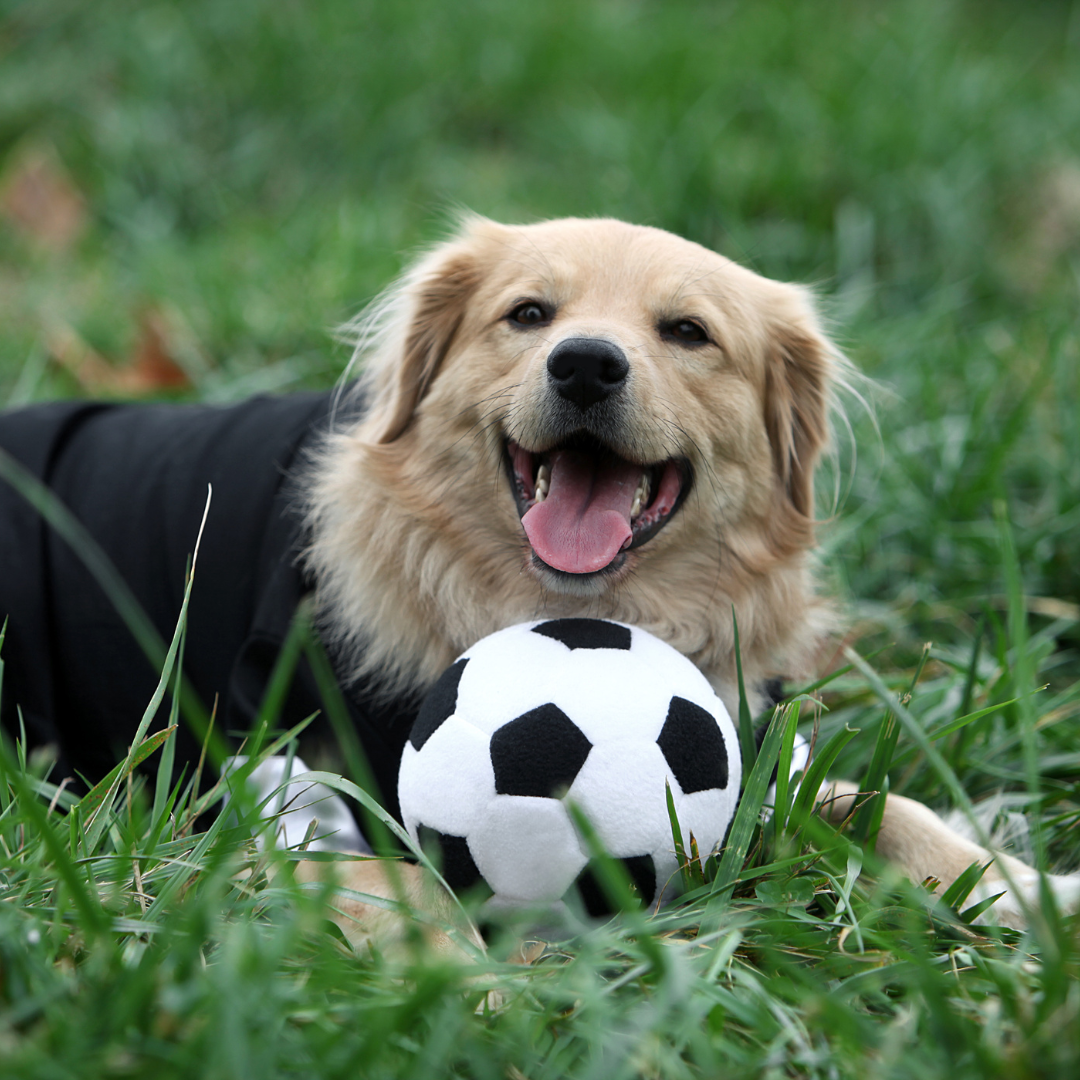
(526, 848)
(620, 789)
(448, 784)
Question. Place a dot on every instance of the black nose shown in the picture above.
(587, 370)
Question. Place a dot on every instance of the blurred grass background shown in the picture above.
(241, 176)
(256, 171)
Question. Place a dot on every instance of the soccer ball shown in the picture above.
(594, 712)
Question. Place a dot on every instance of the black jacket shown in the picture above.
(136, 476)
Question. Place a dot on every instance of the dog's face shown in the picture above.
(615, 368)
(600, 418)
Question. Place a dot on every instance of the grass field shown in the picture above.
(243, 176)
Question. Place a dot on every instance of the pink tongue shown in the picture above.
(585, 520)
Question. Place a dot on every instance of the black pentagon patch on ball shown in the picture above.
(693, 747)
(538, 754)
(586, 633)
(642, 872)
(438, 706)
(452, 857)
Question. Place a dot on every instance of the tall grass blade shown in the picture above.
(690, 870)
(747, 817)
(95, 798)
(782, 801)
(163, 784)
(97, 820)
(1023, 671)
(961, 888)
(868, 817)
(747, 743)
(970, 914)
(972, 674)
(814, 777)
(612, 876)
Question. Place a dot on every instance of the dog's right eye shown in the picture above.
(688, 331)
(528, 314)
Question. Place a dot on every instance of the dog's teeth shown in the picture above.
(543, 482)
(641, 496)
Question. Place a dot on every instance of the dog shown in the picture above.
(571, 418)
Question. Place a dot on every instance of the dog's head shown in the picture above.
(616, 368)
(585, 415)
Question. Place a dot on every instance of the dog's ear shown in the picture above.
(413, 328)
(800, 367)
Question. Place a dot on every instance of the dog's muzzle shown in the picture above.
(582, 504)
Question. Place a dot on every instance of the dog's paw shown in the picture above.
(1022, 896)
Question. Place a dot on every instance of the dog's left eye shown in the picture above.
(528, 314)
(684, 330)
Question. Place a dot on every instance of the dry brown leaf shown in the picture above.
(151, 367)
(41, 200)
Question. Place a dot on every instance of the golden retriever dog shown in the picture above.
(572, 418)
(578, 418)
(590, 418)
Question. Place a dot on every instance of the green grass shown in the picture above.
(258, 170)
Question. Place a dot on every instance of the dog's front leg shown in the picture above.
(914, 838)
(388, 928)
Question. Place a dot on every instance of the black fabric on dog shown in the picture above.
(451, 855)
(136, 477)
(439, 705)
(586, 633)
(539, 753)
(693, 746)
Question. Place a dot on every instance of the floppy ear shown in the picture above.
(409, 332)
(799, 369)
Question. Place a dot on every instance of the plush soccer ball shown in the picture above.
(570, 709)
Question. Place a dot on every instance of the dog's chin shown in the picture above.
(583, 586)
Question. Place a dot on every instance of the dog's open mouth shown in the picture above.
(582, 505)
